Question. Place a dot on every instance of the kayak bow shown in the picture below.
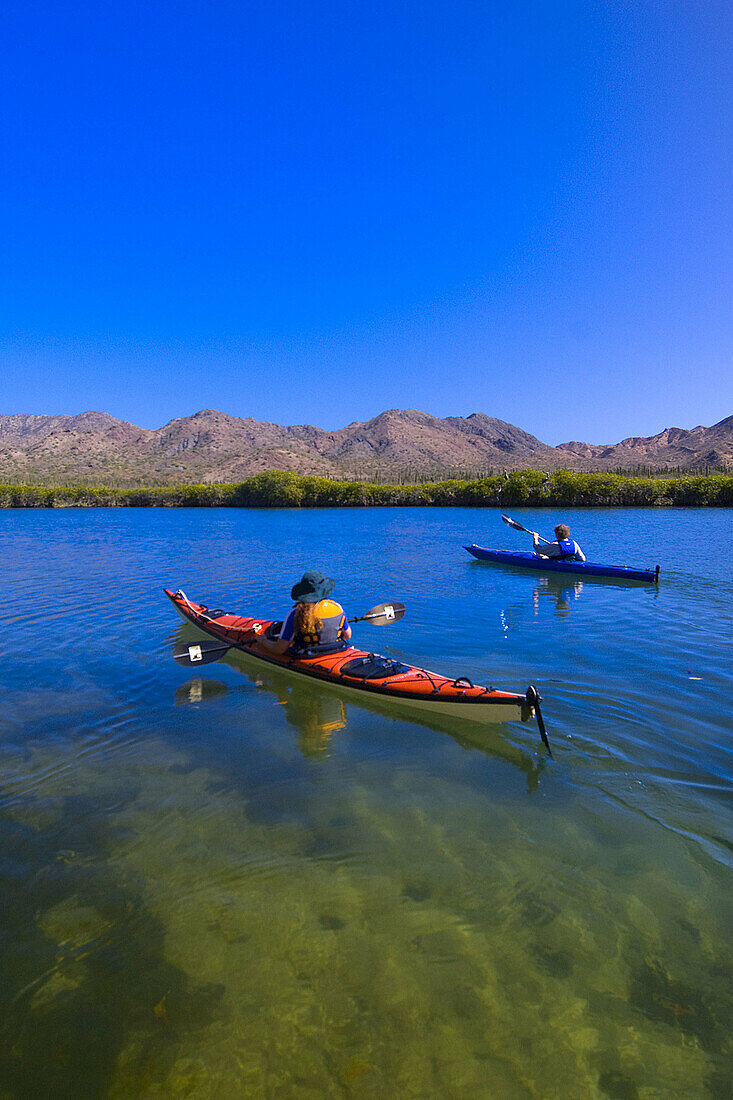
(356, 672)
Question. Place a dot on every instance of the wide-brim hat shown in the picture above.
(312, 587)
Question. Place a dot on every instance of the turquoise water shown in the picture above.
(225, 884)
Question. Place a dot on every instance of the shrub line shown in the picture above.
(280, 489)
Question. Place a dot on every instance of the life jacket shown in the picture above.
(330, 637)
(568, 550)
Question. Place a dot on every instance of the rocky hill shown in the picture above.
(96, 449)
(673, 447)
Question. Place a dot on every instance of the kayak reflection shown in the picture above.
(317, 713)
(563, 591)
(550, 591)
(199, 691)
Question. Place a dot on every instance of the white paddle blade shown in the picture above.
(384, 614)
(199, 653)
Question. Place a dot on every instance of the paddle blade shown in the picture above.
(518, 527)
(383, 614)
(199, 653)
(513, 523)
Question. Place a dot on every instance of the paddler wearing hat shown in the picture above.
(315, 624)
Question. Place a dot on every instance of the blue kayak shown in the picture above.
(525, 559)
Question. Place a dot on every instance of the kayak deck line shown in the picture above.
(415, 686)
(525, 559)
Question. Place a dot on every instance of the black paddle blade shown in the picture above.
(513, 523)
(382, 615)
(199, 653)
(518, 527)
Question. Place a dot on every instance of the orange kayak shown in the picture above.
(354, 670)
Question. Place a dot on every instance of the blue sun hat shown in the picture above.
(312, 587)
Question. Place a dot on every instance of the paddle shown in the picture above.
(381, 615)
(518, 527)
(199, 653)
(203, 653)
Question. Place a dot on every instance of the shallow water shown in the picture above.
(225, 884)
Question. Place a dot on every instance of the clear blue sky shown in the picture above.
(311, 212)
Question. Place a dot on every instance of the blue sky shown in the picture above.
(312, 212)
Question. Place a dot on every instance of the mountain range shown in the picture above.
(95, 448)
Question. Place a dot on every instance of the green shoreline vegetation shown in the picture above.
(279, 489)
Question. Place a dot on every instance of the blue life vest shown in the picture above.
(568, 549)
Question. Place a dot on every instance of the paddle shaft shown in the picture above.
(203, 653)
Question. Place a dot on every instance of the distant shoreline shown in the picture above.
(277, 489)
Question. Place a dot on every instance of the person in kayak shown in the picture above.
(564, 549)
(315, 623)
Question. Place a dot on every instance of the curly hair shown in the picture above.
(306, 621)
(562, 531)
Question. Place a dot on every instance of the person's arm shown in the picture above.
(579, 555)
(540, 548)
(345, 628)
(548, 549)
(281, 644)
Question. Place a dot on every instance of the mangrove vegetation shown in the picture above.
(278, 489)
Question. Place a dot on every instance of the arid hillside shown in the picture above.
(209, 446)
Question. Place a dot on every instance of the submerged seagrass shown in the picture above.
(221, 884)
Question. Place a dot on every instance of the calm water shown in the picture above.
(224, 885)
